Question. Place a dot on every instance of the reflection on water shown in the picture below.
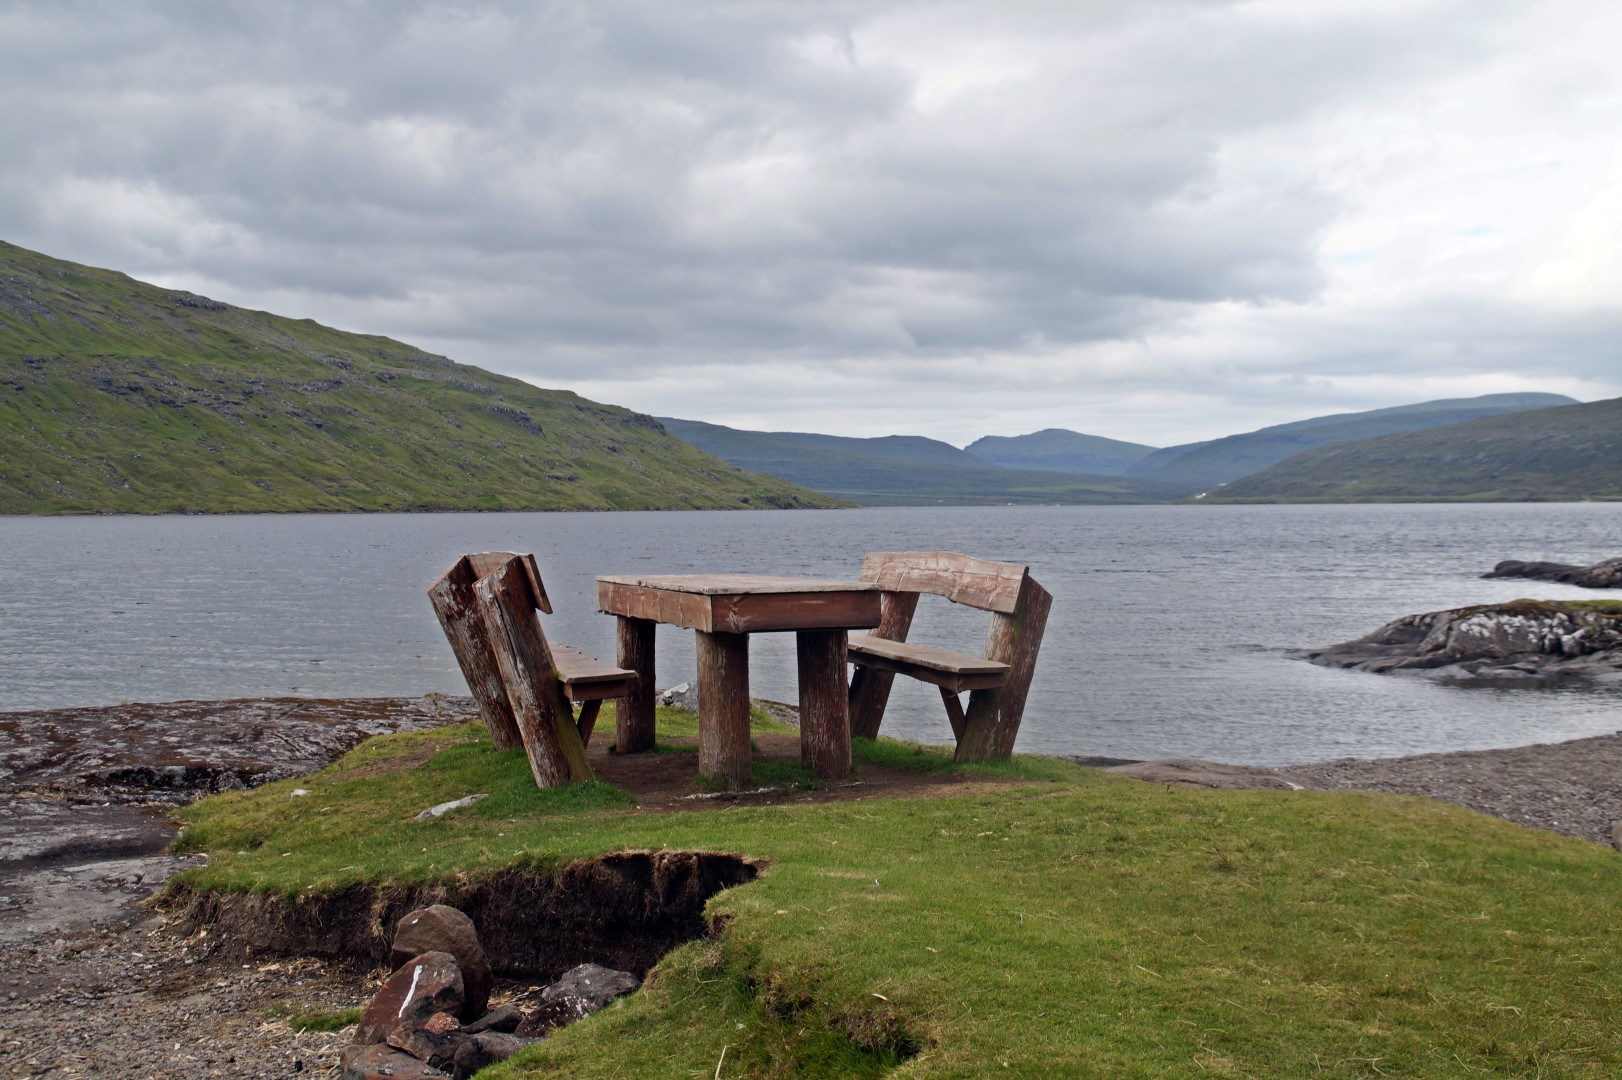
(1167, 636)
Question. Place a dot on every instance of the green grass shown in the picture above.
(301, 1017)
(1067, 923)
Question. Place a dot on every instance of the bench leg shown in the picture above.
(723, 708)
(870, 689)
(633, 716)
(587, 720)
(824, 711)
(954, 711)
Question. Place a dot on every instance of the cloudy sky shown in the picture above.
(1155, 221)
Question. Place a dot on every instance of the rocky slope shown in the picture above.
(1602, 575)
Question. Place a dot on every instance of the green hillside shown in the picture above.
(122, 397)
(1569, 452)
(1059, 450)
(1203, 466)
(904, 470)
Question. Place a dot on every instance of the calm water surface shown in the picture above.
(1167, 635)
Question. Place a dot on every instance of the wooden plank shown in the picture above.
(457, 607)
(824, 708)
(575, 666)
(723, 708)
(950, 680)
(634, 716)
(755, 613)
(991, 723)
(870, 686)
(632, 601)
(486, 561)
(545, 718)
(962, 579)
(736, 584)
(866, 646)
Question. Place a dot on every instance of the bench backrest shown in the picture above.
(962, 579)
(484, 563)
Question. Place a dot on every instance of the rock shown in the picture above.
(441, 928)
(1522, 639)
(559, 1012)
(445, 807)
(682, 696)
(382, 1062)
(504, 1019)
(1195, 773)
(422, 1042)
(485, 1049)
(593, 984)
(429, 984)
(1602, 575)
(1616, 835)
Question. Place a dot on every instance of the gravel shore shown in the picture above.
(95, 984)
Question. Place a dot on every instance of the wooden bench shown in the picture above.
(523, 684)
(997, 681)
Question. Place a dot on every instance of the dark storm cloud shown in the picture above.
(638, 187)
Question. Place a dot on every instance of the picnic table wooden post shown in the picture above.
(991, 722)
(634, 715)
(824, 711)
(557, 756)
(723, 700)
(870, 687)
(458, 610)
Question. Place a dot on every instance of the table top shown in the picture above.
(742, 603)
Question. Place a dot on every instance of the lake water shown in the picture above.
(1167, 637)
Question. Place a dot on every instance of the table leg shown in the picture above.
(633, 724)
(723, 708)
(824, 703)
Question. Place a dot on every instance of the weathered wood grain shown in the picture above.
(634, 716)
(723, 707)
(824, 710)
(457, 608)
(740, 603)
(486, 561)
(962, 579)
(545, 718)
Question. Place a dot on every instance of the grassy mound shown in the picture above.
(1069, 923)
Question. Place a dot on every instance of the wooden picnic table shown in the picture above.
(723, 610)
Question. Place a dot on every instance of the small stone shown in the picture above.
(441, 928)
(1616, 835)
(559, 1012)
(592, 983)
(429, 984)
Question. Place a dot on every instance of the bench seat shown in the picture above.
(586, 678)
(953, 671)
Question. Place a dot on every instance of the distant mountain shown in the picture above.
(1205, 465)
(122, 397)
(902, 470)
(1058, 450)
(1568, 452)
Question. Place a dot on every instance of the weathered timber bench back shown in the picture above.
(524, 684)
(997, 681)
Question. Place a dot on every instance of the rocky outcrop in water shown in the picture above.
(1602, 575)
(1525, 638)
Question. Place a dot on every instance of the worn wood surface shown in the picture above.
(962, 579)
(869, 686)
(634, 716)
(742, 603)
(992, 720)
(486, 561)
(457, 607)
(545, 717)
(585, 678)
(943, 667)
(824, 710)
(587, 720)
(723, 707)
(954, 711)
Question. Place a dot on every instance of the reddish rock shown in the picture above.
(432, 983)
(441, 928)
(436, 1048)
(381, 1062)
(505, 1019)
